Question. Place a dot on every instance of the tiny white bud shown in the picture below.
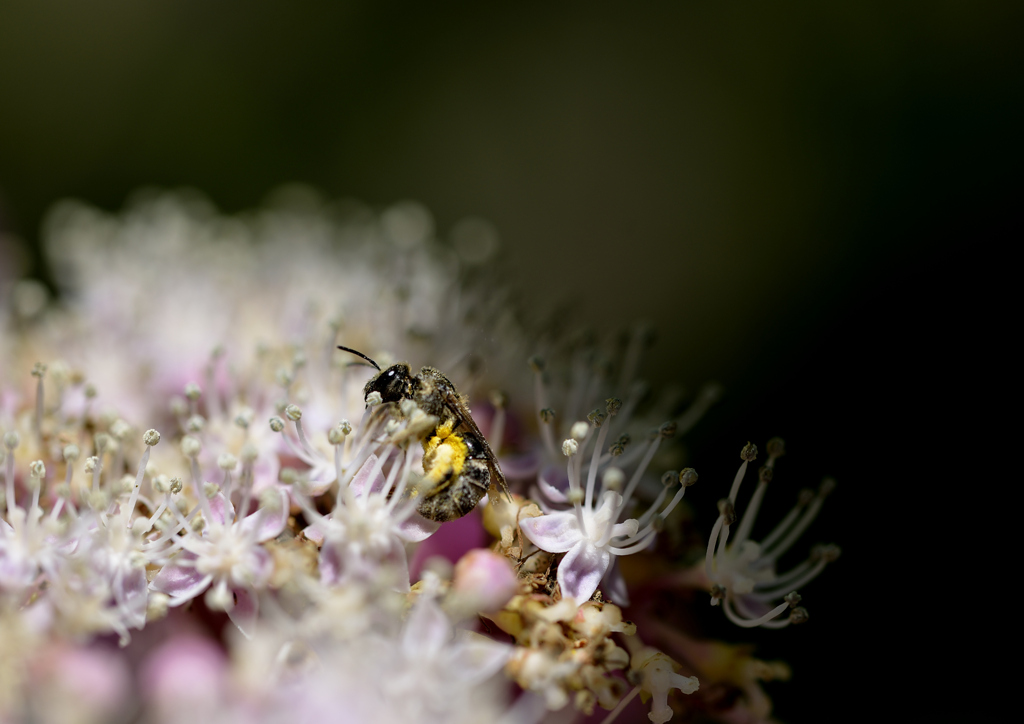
(162, 484)
(392, 427)
(156, 605)
(196, 423)
(193, 391)
(176, 485)
(91, 463)
(11, 440)
(227, 461)
(141, 525)
(219, 598)
(120, 429)
(151, 437)
(179, 408)
(71, 453)
(197, 524)
(98, 499)
(576, 495)
(569, 447)
(613, 479)
(346, 427)
(293, 413)
(335, 436)
(190, 446)
(244, 417)
(270, 500)
(407, 407)
(38, 369)
(210, 489)
(276, 424)
(127, 483)
(373, 399)
(579, 430)
(249, 453)
(284, 377)
(37, 468)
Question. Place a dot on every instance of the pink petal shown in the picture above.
(181, 583)
(331, 565)
(243, 614)
(183, 670)
(221, 509)
(268, 523)
(401, 563)
(479, 658)
(581, 570)
(554, 532)
(314, 533)
(426, 631)
(131, 591)
(546, 482)
(416, 528)
(360, 484)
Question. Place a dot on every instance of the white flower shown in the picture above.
(590, 534)
(742, 573)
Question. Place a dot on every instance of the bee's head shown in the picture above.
(393, 384)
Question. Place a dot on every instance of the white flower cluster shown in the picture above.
(262, 557)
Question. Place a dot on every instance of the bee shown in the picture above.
(458, 464)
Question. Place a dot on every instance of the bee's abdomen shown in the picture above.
(458, 475)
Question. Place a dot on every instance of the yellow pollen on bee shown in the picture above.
(443, 456)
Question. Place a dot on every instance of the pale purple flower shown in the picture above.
(224, 555)
(590, 534)
(374, 517)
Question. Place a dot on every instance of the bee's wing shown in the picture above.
(454, 401)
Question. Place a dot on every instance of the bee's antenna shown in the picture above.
(360, 354)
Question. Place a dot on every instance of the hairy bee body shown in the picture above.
(458, 464)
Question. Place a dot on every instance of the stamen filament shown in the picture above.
(736, 482)
(402, 483)
(752, 623)
(130, 508)
(592, 472)
(796, 532)
(790, 582)
(652, 447)
(614, 713)
(747, 521)
(642, 541)
(709, 557)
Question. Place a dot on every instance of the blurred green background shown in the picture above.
(717, 168)
(809, 200)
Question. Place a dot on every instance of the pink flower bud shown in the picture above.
(484, 581)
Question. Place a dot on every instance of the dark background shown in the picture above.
(811, 201)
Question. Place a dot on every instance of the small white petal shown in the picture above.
(581, 571)
(554, 532)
